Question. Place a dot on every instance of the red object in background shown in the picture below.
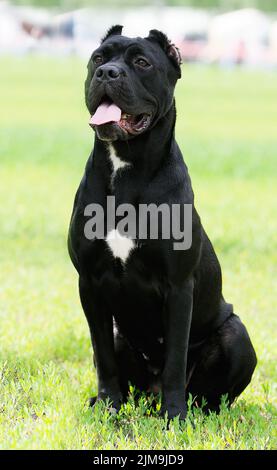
(241, 52)
(192, 47)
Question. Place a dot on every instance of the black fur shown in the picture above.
(159, 320)
(113, 31)
(170, 49)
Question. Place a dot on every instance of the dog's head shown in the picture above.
(130, 83)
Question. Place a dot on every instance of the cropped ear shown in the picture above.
(115, 30)
(170, 49)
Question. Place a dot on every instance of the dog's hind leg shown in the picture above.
(224, 365)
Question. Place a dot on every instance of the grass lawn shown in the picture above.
(227, 131)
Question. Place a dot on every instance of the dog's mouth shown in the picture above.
(109, 113)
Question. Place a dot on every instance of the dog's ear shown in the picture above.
(115, 30)
(170, 49)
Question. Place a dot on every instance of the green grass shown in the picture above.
(227, 131)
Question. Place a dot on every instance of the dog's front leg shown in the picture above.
(101, 329)
(177, 328)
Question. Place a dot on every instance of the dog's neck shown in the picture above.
(144, 153)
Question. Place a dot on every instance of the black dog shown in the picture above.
(157, 316)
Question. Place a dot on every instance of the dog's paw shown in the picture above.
(92, 401)
(173, 411)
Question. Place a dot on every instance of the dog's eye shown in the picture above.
(142, 62)
(98, 60)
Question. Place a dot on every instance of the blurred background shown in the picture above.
(227, 130)
(227, 32)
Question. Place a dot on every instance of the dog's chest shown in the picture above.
(120, 246)
(117, 163)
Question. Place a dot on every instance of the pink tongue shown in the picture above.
(106, 112)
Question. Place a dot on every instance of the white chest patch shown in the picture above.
(119, 245)
(116, 161)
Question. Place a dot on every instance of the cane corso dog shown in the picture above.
(157, 316)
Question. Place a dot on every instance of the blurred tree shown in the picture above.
(266, 5)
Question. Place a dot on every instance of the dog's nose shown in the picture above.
(107, 72)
